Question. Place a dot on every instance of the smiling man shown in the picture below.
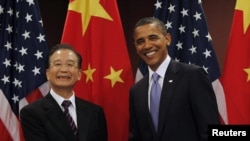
(174, 101)
(61, 115)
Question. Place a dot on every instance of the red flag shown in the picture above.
(94, 28)
(236, 75)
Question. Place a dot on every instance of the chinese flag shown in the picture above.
(94, 28)
(236, 74)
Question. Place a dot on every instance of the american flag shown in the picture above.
(191, 42)
(23, 50)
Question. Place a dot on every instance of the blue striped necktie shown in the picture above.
(66, 104)
(155, 96)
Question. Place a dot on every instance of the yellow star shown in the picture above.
(248, 73)
(114, 76)
(244, 5)
(88, 8)
(89, 73)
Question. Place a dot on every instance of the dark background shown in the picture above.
(219, 14)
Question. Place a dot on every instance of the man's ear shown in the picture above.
(47, 74)
(168, 38)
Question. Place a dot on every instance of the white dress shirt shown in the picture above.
(72, 107)
(161, 70)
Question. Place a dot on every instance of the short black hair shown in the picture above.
(151, 20)
(66, 47)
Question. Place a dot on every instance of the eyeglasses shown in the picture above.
(59, 64)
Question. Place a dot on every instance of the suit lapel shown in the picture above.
(83, 114)
(143, 95)
(167, 92)
(56, 117)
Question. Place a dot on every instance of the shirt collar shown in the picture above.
(60, 99)
(161, 70)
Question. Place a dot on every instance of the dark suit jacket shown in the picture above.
(44, 120)
(188, 105)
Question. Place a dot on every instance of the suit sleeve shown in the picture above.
(31, 126)
(102, 127)
(203, 99)
(133, 129)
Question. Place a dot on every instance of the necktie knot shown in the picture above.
(155, 77)
(66, 104)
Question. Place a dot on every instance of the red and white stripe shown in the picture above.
(8, 117)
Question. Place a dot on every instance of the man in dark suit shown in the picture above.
(45, 120)
(187, 101)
